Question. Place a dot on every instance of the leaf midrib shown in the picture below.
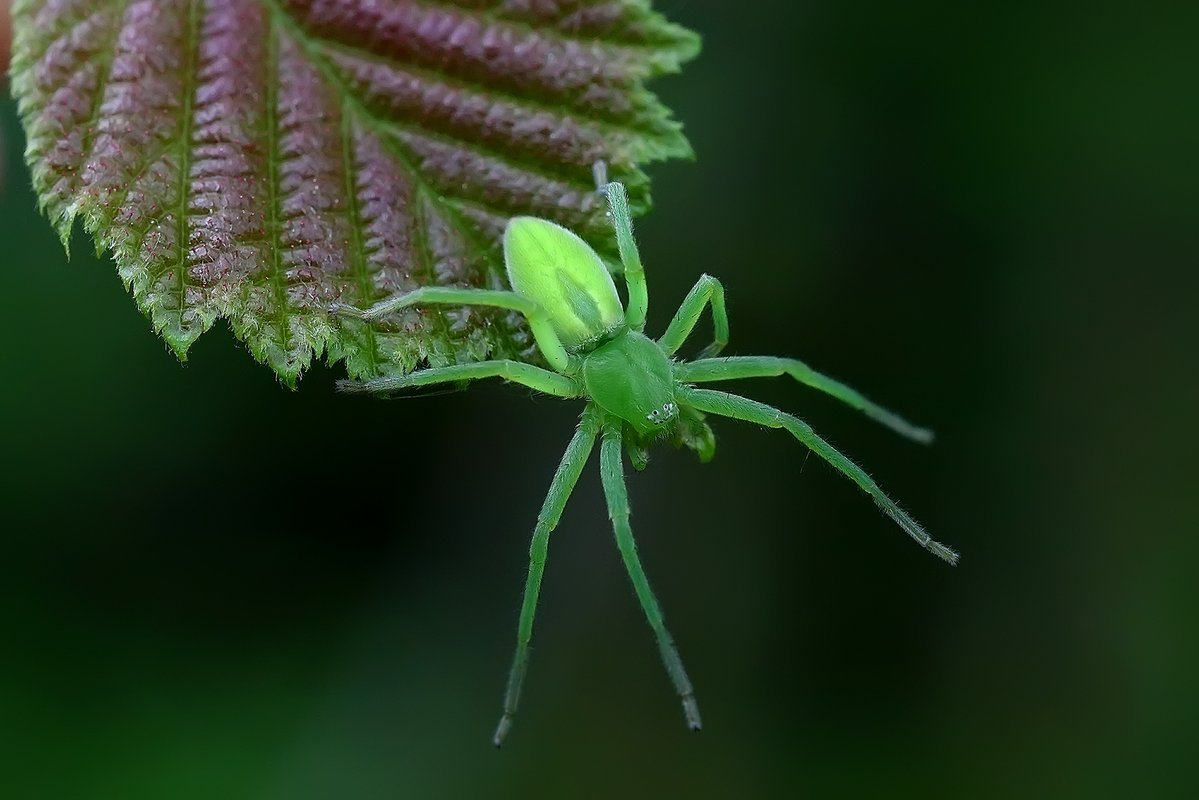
(357, 252)
(272, 167)
(185, 136)
(371, 121)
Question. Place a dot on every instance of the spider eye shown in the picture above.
(662, 415)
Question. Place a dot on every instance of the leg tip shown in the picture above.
(923, 436)
(941, 551)
(501, 731)
(340, 309)
(691, 711)
(599, 173)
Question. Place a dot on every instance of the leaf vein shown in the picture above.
(372, 123)
(102, 75)
(679, 49)
(610, 120)
(192, 43)
(357, 252)
(273, 156)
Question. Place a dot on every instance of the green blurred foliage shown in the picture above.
(981, 215)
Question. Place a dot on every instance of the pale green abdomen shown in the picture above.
(560, 272)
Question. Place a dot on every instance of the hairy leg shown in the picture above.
(536, 378)
(727, 369)
(634, 273)
(706, 290)
(612, 473)
(573, 460)
(730, 405)
(539, 321)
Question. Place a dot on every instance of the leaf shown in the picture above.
(256, 160)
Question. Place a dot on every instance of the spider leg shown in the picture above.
(634, 272)
(536, 378)
(731, 405)
(612, 474)
(726, 369)
(539, 321)
(707, 290)
(571, 466)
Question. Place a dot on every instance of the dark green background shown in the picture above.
(984, 216)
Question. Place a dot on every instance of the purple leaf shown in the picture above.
(257, 160)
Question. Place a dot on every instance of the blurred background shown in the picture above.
(982, 215)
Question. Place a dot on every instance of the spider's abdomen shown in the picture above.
(630, 377)
(560, 272)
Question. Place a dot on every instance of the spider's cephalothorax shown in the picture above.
(629, 377)
(635, 391)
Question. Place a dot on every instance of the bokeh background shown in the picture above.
(983, 215)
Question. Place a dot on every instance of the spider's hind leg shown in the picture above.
(535, 378)
(630, 257)
(708, 291)
(539, 320)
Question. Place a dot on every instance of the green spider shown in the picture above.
(636, 393)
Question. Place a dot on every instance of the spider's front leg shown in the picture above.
(742, 408)
(573, 461)
(736, 367)
(617, 496)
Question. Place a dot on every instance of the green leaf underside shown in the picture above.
(257, 160)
